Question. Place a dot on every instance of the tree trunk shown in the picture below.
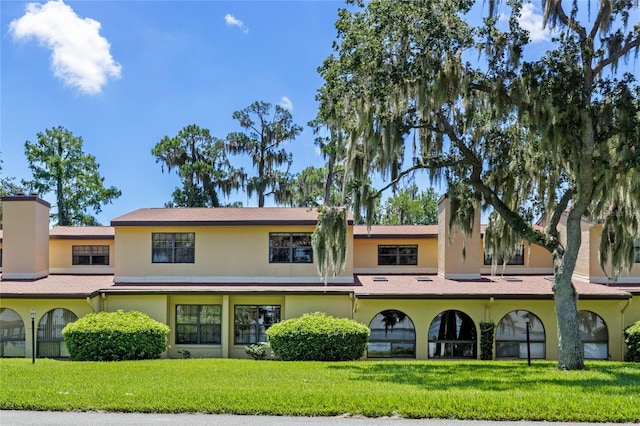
(570, 349)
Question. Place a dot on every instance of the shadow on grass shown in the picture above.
(602, 378)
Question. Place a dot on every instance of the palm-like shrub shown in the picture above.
(115, 336)
(318, 337)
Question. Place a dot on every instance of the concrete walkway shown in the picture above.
(56, 418)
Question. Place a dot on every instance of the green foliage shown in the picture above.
(264, 133)
(488, 390)
(487, 330)
(318, 337)
(632, 340)
(59, 165)
(258, 351)
(410, 206)
(329, 240)
(115, 336)
(309, 187)
(202, 164)
(184, 353)
(551, 132)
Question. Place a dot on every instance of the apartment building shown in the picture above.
(219, 277)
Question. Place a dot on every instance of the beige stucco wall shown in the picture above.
(25, 238)
(154, 305)
(597, 274)
(459, 256)
(339, 306)
(60, 256)
(537, 260)
(366, 255)
(221, 254)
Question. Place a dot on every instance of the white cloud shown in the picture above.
(235, 22)
(286, 103)
(79, 54)
(532, 22)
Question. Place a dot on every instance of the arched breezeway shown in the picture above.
(594, 334)
(511, 336)
(453, 334)
(12, 337)
(393, 335)
(50, 340)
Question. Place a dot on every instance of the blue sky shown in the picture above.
(123, 74)
(166, 65)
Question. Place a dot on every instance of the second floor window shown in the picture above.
(290, 247)
(173, 247)
(397, 255)
(516, 259)
(90, 255)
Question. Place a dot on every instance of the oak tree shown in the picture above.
(523, 131)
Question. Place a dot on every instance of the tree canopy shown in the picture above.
(525, 131)
(264, 133)
(410, 206)
(59, 165)
(201, 162)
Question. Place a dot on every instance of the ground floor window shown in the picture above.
(12, 343)
(393, 335)
(252, 321)
(594, 335)
(50, 340)
(511, 336)
(452, 334)
(198, 324)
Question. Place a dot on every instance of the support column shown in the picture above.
(227, 323)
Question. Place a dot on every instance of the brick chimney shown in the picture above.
(460, 256)
(25, 241)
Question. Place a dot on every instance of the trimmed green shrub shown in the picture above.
(318, 337)
(487, 329)
(115, 336)
(632, 339)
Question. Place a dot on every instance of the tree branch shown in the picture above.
(617, 55)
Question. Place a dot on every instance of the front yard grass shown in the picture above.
(605, 392)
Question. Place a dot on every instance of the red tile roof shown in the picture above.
(57, 286)
(218, 216)
(435, 286)
(82, 232)
(365, 286)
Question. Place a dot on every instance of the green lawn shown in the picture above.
(606, 391)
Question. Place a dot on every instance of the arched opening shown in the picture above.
(453, 334)
(594, 335)
(511, 336)
(12, 341)
(50, 341)
(393, 335)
